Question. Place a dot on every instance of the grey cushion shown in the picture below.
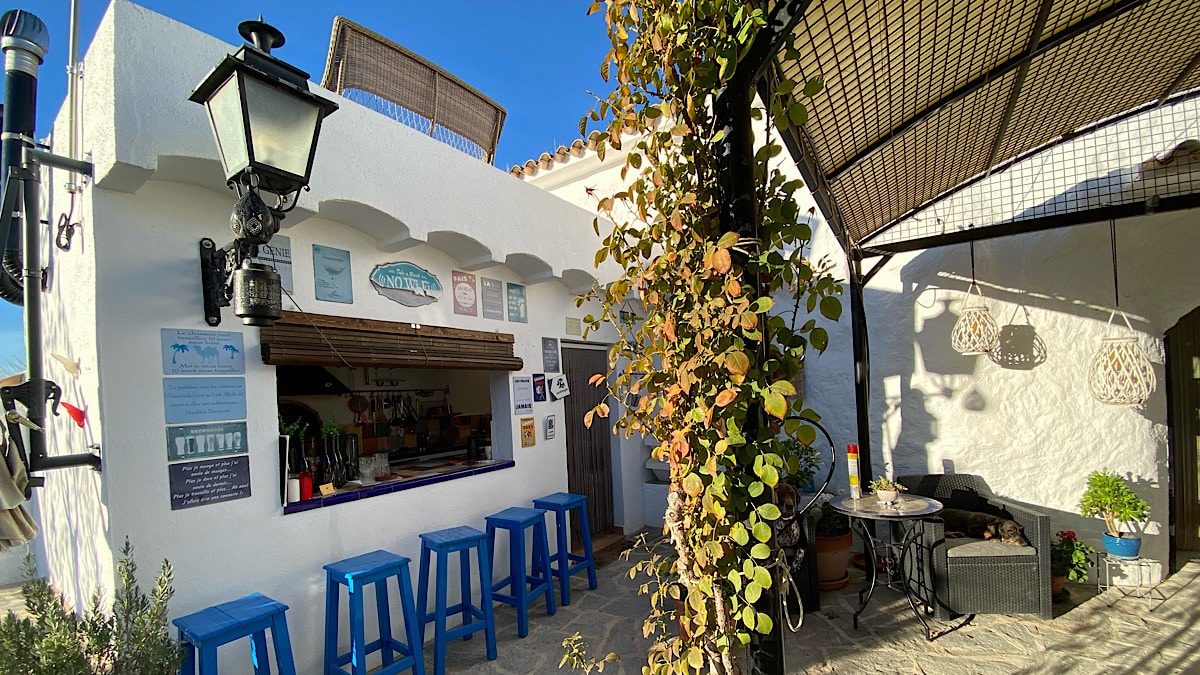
(966, 547)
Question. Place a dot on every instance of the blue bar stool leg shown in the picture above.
(439, 621)
(208, 659)
(385, 620)
(541, 562)
(520, 583)
(412, 626)
(332, 593)
(564, 561)
(357, 638)
(258, 653)
(188, 665)
(489, 618)
(466, 592)
(423, 591)
(283, 645)
(585, 534)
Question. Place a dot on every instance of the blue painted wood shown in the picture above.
(356, 574)
(442, 544)
(246, 617)
(566, 563)
(524, 585)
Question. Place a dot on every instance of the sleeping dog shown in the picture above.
(961, 523)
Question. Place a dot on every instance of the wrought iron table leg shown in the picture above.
(869, 544)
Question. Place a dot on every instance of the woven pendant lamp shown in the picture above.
(1120, 372)
(976, 331)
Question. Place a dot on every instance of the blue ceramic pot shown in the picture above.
(1125, 546)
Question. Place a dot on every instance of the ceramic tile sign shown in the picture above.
(558, 387)
(406, 283)
(187, 351)
(528, 432)
(518, 306)
(332, 281)
(539, 387)
(209, 481)
(522, 395)
(574, 326)
(201, 441)
(550, 355)
(493, 298)
(278, 254)
(187, 400)
(466, 299)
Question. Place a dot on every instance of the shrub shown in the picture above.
(1070, 557)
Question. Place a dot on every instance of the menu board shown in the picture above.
(209, 481)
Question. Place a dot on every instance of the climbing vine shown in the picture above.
(707, 359)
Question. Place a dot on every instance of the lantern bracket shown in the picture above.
(216, 269)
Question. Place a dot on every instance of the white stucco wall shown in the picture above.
(380, 190)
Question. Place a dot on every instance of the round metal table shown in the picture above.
(912, 508)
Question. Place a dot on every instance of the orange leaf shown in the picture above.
(737, 363)
(733, 288)
(721, 261)
(596, 379)
(587, 418)
(725, 398)
(669, 329)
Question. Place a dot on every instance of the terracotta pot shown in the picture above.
(1056, 585)
(833, 553)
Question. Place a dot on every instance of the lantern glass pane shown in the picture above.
(282, 125)
(225, 113)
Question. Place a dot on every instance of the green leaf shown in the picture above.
(762, 577)
(784, 387)
(695, 658)
(768, 511)
(760, 551)
(775, 404)
(737, 363)
(814, 86)
(819, 339)
(765, 624)
(753, 592)
(806, 435)
(727, 240)
(762, 532)
(769, 475)
(831, 307)
(756, 488)
(692, 485)
(740, 535)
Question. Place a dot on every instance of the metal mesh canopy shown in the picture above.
(922, 98)
(380, 74)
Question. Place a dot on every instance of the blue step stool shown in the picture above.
(250, 616)
(524, 586)
(356, 574)
(565, 562)
(443, 543)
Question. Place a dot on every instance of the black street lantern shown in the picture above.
(266, 123)
(265, 119)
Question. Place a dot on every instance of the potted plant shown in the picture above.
(1069, 559)
(1108, 496)
(801, 462)
(833, 548)
(886, 490)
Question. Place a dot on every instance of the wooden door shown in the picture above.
(589, 451)
(1183, 405)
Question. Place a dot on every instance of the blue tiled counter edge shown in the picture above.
(396, 486)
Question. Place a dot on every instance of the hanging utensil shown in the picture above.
(396, 405)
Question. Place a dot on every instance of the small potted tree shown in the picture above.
(1108, 496)
(833, 548)
(1069, 559)
(887, 491)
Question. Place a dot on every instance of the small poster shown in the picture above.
(558, 387)
(203, 399)
(522, 395)
(518, 309)
(331, 274)
(528, 433)
(188, 351)
(465, 297)
(209, 481)
(539, 387)
(200, 441)
(550, 425)
(550, 355)
(493, 298)
(278, 254)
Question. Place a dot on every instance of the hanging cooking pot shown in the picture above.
(358, 405)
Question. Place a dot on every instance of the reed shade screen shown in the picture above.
(320, 340)
(976, 331)
(921, 97)
(370, 69)
(1120, 372)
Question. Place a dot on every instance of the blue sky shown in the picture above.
(537, 58)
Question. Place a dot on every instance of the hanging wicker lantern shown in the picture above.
(1121, 373)
(976, 331)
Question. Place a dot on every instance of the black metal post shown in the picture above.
(862, 367)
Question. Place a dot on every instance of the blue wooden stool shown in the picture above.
(250, 616)
(356, 574)
(443, 543)
(524, 586)
(565, 562)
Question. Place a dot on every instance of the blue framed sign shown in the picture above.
(209, 481)
(518, 306)
(188, 351)
(187, 400)
(332, 280)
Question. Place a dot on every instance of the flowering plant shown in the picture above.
(1070, 557)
